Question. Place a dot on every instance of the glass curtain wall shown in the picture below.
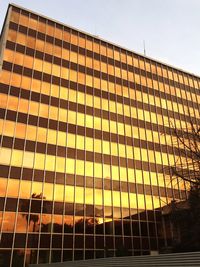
(85, 136)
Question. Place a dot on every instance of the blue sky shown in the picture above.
(170, 28)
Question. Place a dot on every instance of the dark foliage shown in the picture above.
(186, 220)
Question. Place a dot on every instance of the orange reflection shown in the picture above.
(8, 221)
(21, 224)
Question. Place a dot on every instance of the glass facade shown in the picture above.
(85, 140)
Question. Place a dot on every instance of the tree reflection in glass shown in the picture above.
(33, 218)
(35, 206)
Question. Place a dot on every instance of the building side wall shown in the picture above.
(3, 37)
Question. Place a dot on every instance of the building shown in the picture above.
(85, 141)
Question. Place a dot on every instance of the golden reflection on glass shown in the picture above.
(51, 136)
(3, 186)
(97, 170)
(133, 201)
(89, 168)
(5, 156)
(58, 192)
(122, 152)
(36, 188)
(115, 172)
(60, 165)
(3, 101)
(61, 138)
(89, 196)
(106, 147)
(89, 144)
(50, 163)
(14, 16)
(79, 167)
(39, 161)
(106, 171)
(116, 199)
(69, 194)
(124, 200)
(139, 177)
(31, 132)
(123, 174)
(81, 119)
(48, 191)
(149, 202)
(79, 195)
(21, 223)
(8, 221)
(70, 163)
(28, 160)
(41, 27)
(131, 175)
(107, 198)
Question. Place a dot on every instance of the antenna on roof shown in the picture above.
(95, 31)
(144, 48)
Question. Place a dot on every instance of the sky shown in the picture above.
(170, 28)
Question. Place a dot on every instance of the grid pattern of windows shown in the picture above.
(85, 137)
